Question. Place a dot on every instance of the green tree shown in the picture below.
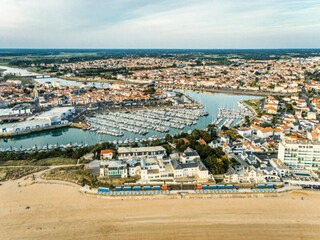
(168, 138)
(247, 120)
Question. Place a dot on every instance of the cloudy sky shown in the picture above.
(159, 24)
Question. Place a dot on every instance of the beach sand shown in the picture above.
(61, 212)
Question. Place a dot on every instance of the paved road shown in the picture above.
(239, 160)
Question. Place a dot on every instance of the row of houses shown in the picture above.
(153, 164)
(251, 175)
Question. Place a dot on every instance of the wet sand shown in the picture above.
(61, 212)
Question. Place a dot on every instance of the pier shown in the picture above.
(232, 117)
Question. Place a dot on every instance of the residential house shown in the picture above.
(106, 154)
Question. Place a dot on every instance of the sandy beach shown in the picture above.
(51, 211)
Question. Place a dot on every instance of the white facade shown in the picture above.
(113, 169)
(244, 176)
(12, 111)
(46, 119)
(264, 133)
(278, 165)
(106, 155)
(157, 169)
(56, 114)
(189, 155)
(125, 153)
(245, 132)
(134, 170)
(300, 154)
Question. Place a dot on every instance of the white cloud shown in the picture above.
(159, 24)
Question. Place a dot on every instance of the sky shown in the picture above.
(177, 24)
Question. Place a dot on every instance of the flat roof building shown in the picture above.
(300, 154)
(279, 166)
(126, 153)
(53, 117)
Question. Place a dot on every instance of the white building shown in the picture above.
(189, 155)
(134, 167)
(15, 111)
(247, 175)
(154, 168)
(244, 132)
(278, 165)
(113, 169)
(311, 116)
(300, 154)
(125, 153)
(265, 132)
(106, 154)
(55, 116)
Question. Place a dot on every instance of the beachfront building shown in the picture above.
(191, 169)
(189, 155)
(279, 166)
(126, 153)
(300, 154)
(134, 167)
(244, 175)
(113, 169)
(154, 168)
(152, 164)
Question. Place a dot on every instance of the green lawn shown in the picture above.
(255, 106)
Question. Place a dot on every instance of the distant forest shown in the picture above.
(27, 57)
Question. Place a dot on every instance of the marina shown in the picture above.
(44, 148)
(65, 136)
(231, 117)
(141, 122)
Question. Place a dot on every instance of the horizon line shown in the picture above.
(76, 48)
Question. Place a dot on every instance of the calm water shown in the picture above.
(211, 101)
(24, 72)
(72, 83)
(17, 71)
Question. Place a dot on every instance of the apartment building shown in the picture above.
(300, 154)
(113, 169)
(126, 153)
